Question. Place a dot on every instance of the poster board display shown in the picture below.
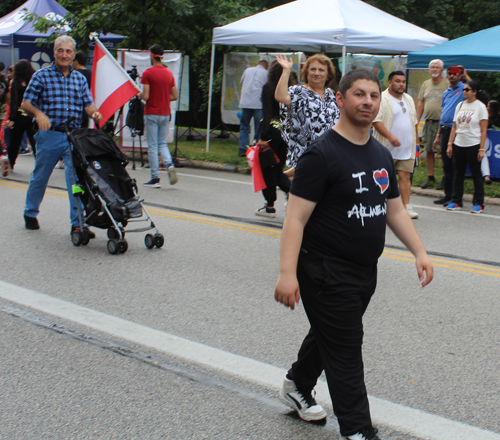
(235, 64)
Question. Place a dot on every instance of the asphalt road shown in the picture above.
(81, 331)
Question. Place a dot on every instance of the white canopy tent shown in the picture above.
(328, 26)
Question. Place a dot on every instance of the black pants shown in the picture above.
(22, 124)
(448, 163)
(467, 156)
(273, 175)
(335, 295)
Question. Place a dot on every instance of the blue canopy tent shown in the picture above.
(19, 39)
(479, 51)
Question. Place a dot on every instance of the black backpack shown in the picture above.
(135, 116)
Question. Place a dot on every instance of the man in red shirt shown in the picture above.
(159, 91)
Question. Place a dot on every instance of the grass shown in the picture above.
(221, 151)
(226, 151)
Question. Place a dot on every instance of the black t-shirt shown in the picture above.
(351, 184)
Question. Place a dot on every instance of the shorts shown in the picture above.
(429, 134)
(404, 165)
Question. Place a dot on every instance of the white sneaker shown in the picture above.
(365, 434)
(60, 165)
(172, 175)
(411, 212)
(4, 166)
(305, 405)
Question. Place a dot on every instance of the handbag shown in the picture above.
(267, 158)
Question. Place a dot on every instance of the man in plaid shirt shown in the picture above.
(54, 95)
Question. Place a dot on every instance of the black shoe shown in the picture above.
(430, 181)
(242, 153)
(266, 212)
(31, 222)
(90, 233)
(153, 183)
(442, 201)
(487, 181)
(440, 185)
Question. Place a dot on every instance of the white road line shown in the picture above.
(214, 178)
(415, 422)
(465, 211)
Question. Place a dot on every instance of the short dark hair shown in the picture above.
(156, 50)
(348, 79)
(81, 58)
(396, 73)
(2, 66)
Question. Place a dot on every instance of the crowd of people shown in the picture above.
(300, 113)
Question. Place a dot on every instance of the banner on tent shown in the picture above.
(492, 152)
(141, 59)
(235, 64)
(184, 87)
(382, 66)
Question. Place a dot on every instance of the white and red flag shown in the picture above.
(111, 86)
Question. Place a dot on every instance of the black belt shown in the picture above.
(445, 127)
(432, 120)
(58, 129)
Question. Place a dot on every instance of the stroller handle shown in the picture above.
(66, 124)
(70, 120)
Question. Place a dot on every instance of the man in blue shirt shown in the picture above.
(452, 96)
(54, 95)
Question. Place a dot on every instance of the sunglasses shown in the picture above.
(466, 89)
(402, 106)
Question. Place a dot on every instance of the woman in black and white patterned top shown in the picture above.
(306, 111)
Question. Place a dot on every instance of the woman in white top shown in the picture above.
(467, 139)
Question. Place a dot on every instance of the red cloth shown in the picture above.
(111, 87)
(254, 163)
(160, 81)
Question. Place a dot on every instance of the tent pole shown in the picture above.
(343, 59)
(212, 62)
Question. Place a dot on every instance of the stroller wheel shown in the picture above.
(76, 238)
(149, 241)
(159, 240)
(113, 246)
(85, 238)
(122, 246)
(113, 233)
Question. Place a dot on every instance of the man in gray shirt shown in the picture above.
(252, 80)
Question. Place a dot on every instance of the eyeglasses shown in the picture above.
(402, 106)
(466, 89)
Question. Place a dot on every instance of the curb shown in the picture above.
(437, 194)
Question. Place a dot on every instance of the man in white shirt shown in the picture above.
(396, 128)
(252, 80)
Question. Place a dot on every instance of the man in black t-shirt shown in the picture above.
(343, 194)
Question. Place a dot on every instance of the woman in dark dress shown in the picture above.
(19, 121)
(493, 108)
(270, 140)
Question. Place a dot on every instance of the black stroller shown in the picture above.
(108, 193)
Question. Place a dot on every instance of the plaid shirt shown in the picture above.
(59, 96)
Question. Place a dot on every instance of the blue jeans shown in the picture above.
(156, 135)
(51, 146)
(246, 116)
